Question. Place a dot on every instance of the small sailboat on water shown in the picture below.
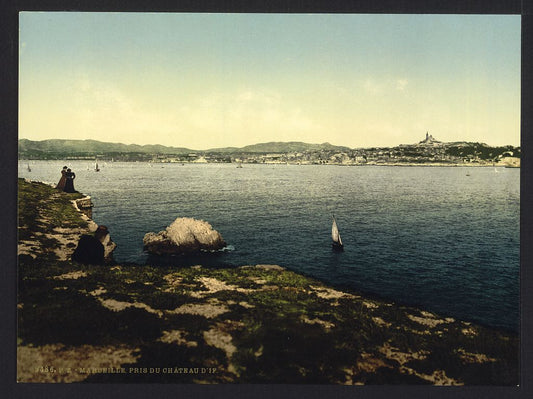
(336, 237)
(29, 169)
(96, 168)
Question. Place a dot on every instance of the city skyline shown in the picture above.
(217, 80)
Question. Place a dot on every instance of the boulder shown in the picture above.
(102, 233)
(184, 235)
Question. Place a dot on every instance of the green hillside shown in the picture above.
(91, 147)
(36, 149)
(291, 146)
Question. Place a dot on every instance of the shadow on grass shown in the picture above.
(71, 318)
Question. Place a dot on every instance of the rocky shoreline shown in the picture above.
(249, 324)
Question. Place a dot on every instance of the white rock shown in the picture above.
(184, 235)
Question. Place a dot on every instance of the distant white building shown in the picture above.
(200, 160)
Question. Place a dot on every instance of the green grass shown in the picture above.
(39, 200)
(275, 344)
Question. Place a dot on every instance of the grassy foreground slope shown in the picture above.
(251, 324)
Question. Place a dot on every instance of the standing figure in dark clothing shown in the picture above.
(63, 180)
(69, 183)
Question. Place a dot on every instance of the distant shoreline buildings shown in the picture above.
(427, 151)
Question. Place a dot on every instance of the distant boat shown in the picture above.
(29, 169)
(336, 237)
(96, 168)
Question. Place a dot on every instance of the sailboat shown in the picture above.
(29, 169)
(96, 168)
(336, 237)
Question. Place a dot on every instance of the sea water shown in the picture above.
(445, 239)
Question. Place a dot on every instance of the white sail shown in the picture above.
(335, 235)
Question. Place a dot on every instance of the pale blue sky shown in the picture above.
(211, 80)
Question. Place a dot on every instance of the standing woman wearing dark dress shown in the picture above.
(63, 180)
(69, 183)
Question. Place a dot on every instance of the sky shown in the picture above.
(215, 80)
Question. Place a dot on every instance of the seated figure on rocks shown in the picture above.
(95, 250)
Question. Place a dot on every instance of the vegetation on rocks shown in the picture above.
(249, 324)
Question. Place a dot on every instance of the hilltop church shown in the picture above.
(429, 139)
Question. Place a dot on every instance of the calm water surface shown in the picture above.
(426, 236)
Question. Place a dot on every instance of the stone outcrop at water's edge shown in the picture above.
(184, 235)
(52, 222)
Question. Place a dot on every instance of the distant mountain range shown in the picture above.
(94, 147)
(281, 147)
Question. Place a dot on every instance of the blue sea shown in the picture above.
(445, 239)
